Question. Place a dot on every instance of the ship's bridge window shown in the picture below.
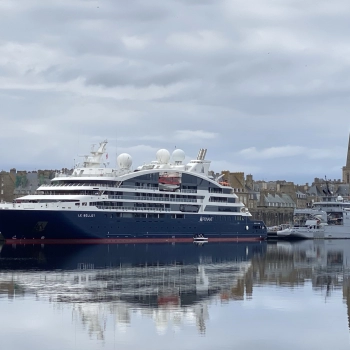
(211, 208)
(215, 190)
(231, 209)
(218, 199)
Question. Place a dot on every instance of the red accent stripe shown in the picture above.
(127, 240)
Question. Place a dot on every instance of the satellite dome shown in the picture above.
(178, 155)
(124, 161)
(163, 156)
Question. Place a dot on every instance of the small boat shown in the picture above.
(200, 238)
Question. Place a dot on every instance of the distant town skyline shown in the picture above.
(262, 85)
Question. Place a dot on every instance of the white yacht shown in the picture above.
(164, 200)
(329, 218)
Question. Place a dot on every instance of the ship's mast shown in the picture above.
(94, 159)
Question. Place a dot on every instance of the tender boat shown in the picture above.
(164, 200)
(200, 238)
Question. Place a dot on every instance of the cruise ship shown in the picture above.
(164, 200)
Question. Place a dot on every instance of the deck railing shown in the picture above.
(158, 199)
(131, 209)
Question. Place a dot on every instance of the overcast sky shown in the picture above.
(264, 85)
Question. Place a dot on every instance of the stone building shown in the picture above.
(242, 187)
(322, 187)
(235, 179)
(7, 186)
(274, 208)
(273, 201)
(19, 183)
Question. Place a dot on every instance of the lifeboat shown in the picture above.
(169, 180)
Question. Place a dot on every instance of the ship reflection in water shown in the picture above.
(164, 281)
(244, 295)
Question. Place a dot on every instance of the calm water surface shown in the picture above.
(162, 296)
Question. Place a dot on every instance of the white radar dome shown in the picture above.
(124, 161)
(163, 156)
(178, 155)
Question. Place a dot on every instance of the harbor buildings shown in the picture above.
(271, 201)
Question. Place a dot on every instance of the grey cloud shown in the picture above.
(199, 2)
(72, 12)
(62, 74)
(123, 75)
(263, 75)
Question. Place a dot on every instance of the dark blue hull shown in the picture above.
(58, 225)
